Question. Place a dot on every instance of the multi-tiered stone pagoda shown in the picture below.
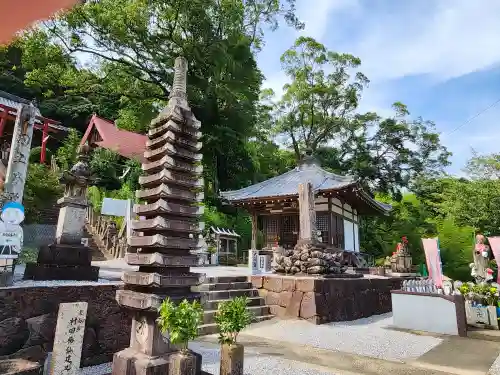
(161, 246)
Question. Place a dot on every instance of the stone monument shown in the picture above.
(172, 191)
(67, 258)
(309, 255)
(401, 260)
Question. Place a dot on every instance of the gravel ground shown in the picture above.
(495, 367)
(255, 364)
(366, 337)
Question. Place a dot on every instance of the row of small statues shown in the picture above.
(428, 286)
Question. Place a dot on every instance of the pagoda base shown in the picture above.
(133, 362)
(62, 262)
(41, 272)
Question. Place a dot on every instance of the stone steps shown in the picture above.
(210, 329)
(216, 290)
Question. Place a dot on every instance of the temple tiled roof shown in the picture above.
(287, 184)
(127, 144)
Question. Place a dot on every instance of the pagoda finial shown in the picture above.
(180, 78)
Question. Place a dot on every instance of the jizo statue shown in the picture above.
(481, 255)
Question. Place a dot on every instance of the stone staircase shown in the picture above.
(95, 244)
(219, 289)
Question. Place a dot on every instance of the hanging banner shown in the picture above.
(495, 248)
(433, 260)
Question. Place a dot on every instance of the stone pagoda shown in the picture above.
(161, 246)
(67, 258)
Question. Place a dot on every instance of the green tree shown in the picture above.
(67, 153)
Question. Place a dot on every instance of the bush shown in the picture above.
(28, 254)
(36, 152)
(228, 260)
(231, 318)
(180, 321)
(41, 191)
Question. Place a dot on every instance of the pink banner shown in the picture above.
(495, 248)
(433, 259)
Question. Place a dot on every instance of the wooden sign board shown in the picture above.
(68, 340)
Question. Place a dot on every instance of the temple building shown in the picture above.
(340, 201)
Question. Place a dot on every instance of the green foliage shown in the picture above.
(28, 255)
(36, 152)
(41, 191)
(231, 318)
(67, 153)
(180, 321)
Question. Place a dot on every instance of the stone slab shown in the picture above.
(19, 367)
(35, 271)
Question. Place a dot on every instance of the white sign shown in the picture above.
(11, 237)
(253, 261)
(68, 339)
(114, 207)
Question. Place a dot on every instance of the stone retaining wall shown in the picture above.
(28, 320)
(323, 300)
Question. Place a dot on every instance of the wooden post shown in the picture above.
(330, 226)
(3, 120)
(307, 214)
(254, 231)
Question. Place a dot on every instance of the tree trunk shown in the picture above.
(231, 361)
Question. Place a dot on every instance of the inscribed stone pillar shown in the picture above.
(17, 167)
(307, 214)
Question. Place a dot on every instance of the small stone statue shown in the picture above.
(481, 254)
(447, 287)
(405, 285)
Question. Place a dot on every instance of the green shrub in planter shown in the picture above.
(180, 321)
(231, 318)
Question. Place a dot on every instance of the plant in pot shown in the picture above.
(231, 318)
(180, 324)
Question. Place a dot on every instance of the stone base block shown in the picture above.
(322, 300)
(185, 363)
(36, 271)
(231, 361)
(132, 362)
(66, 255)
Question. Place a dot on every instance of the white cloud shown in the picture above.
(317, 17)
(445, 39)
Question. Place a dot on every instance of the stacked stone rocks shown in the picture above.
(307, 258)
(162, 249)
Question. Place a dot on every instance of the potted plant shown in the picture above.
(231, 318)
(180, 324)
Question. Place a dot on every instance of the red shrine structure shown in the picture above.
(8, 113)
(104, 133)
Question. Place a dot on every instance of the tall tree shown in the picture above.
(318, 110)
(130, 46)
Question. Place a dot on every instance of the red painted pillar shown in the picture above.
(45, 138)
(3, 120)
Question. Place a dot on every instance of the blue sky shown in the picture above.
(439, 57)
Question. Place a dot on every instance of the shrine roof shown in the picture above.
(287, 185)
(12, 101)
(127, 144)
(224, 232)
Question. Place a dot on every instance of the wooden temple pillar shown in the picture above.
(254, 230)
